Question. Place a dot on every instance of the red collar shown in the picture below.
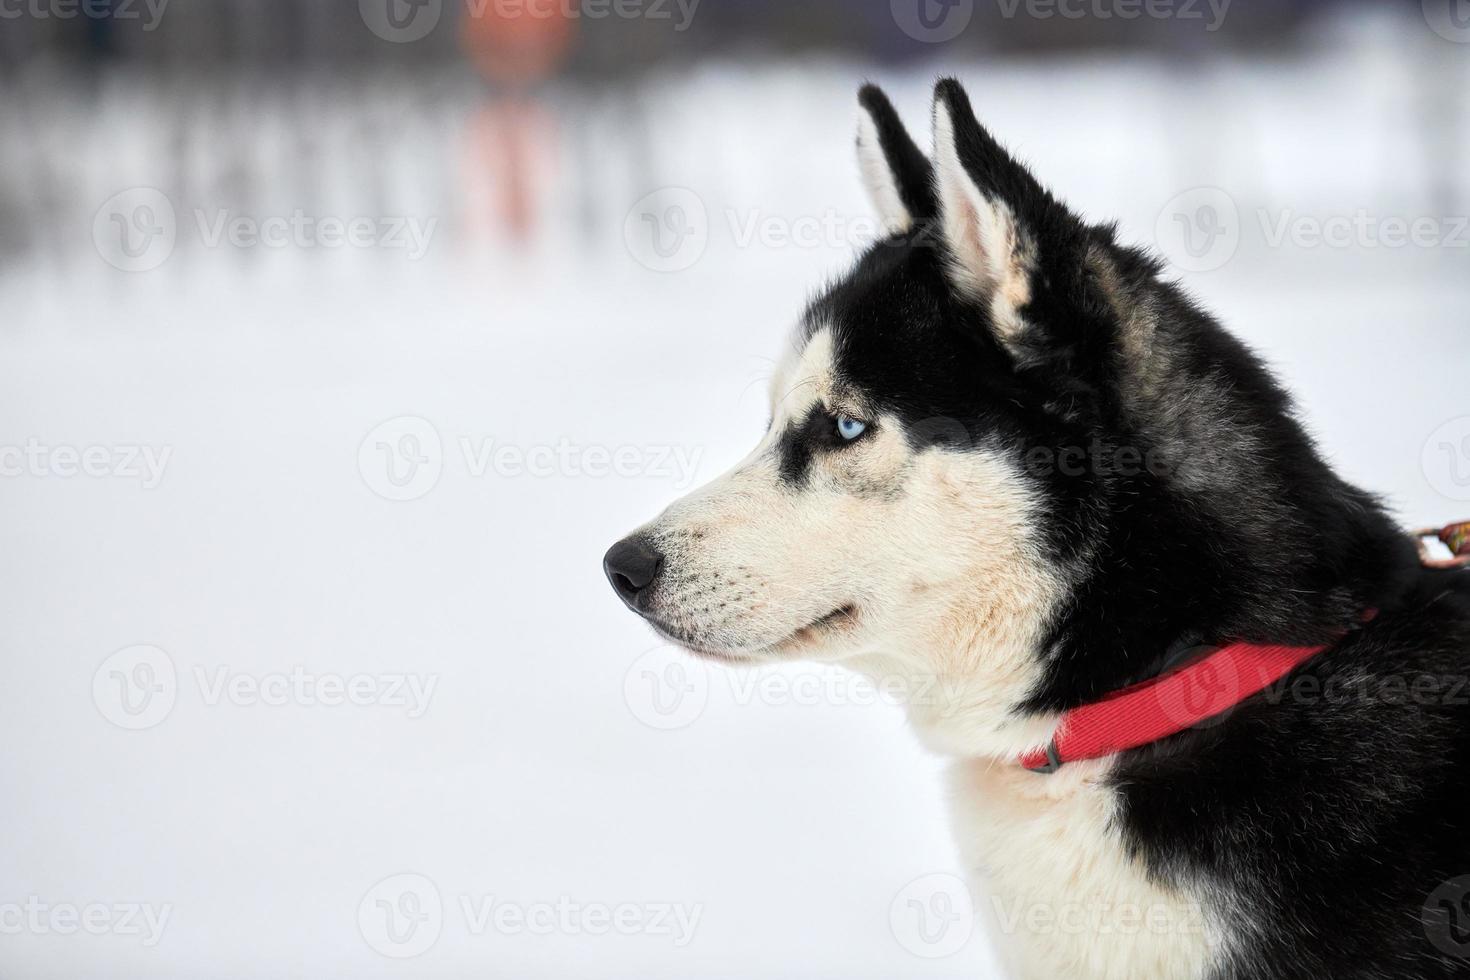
(1168, 704)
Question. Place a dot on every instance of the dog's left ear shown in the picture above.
(897, 176)
(986, 203)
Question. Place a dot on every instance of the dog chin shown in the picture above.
(804, 642)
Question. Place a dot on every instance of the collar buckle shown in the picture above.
(1053, 760)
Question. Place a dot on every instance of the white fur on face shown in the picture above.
(928, 555)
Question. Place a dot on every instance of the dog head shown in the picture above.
(968, 434)
(887, 511)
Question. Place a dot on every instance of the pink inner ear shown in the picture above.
(977, 265)
(971, 224)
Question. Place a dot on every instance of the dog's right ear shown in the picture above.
(898, 176)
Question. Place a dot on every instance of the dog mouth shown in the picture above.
(839, 620)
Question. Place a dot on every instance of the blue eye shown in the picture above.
(850, 428)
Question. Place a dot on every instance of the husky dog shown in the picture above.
(1013, 465)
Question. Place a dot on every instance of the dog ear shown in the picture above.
(985, 200)
(898, 177)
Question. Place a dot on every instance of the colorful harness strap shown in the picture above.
(1455, 537)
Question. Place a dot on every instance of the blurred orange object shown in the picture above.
(507, 163)
(517, 42)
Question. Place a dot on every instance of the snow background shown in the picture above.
(543, 769)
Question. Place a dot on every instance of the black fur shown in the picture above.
(1318, 828)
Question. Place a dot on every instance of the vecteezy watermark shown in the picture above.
(135, 229)
(1201, 229)
(1450, 19)
(1207, 694)
(137, 688)
(667, 230)
(485, 457)
(933, 916)
(680, 13)
(1203, 696)
(1212, 12)
(150, 12)
(302, 688)
(1446, 917)
(667, 689)
(141, 920)
(932, 21)
(299, 230)
(400, 21)
(403, 458)
(1198, 230)
(401, 916)
(403, 21)
(1363, 229)
(1414, 690)
(404, 915)
(670, 229)
(829, 229)
(146, 464)
(566, 916)
(1445, 459)
(1099, 918)
(1098, 458)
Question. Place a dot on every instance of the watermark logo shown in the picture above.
(136, 687)
(1412, 691)
(1199, 229)
(1363, 230)
(142, 920)
(298, 230)
(674, 921)
(302, 688)
(667, 230)
(135, 230)
(932, 21)
(401, 916)
(1446, 917)
(680, 12)
(402, 458)
(1450, 19)
(564, 458)
(1183, 10)
(1203, 695)
(933, 916)
(1100, 917)
(666, 689)
(404, 915)
(146, 464)
(400, 21)
(670, 230)
(1446, 459)
(123, 11)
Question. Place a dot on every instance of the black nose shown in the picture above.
(631, 566)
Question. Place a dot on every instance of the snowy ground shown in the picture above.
(553, 763)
